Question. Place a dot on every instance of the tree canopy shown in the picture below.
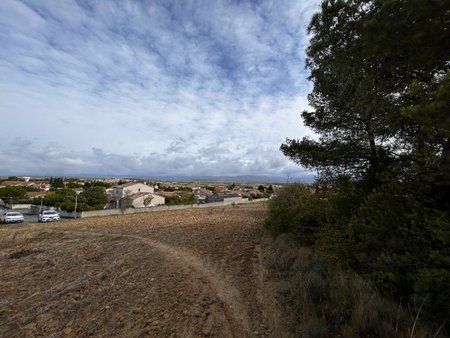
(381, 81)
(56, 182)
(94, 196)
(12, 193)
(381, 115)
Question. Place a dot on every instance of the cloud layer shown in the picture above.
(151, 87)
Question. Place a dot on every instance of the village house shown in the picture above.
(232, 198)
(42, 185)
(14, 183)
(168, 194)
(35, 194)
(131, 188)
(145, 199)
(214, 198)
(136, 194)
(224, 197)
(201, 195)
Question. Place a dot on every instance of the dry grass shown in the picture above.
(318, 300)
(187, 273)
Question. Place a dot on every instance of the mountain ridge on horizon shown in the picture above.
(307, 178)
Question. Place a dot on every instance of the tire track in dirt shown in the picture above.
(229, 295)
(236, 313)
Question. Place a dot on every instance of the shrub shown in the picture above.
(388, 236)
(69, 206)
(318, 299)
(183, 199)
(299, 209)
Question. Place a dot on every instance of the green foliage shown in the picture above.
(74, 184)
(56, 182)
(69, 206)
(298, 209)
(184, 199)
(57, 198)
(91, 184)
(172, 188)
(256, 196)
(381, 100)
(91, 199)
(30, 188)
(318, 299)
(380, 97)
(390, 238)
(94, 196)
(402, 245)
(12, 193)
(231, 186)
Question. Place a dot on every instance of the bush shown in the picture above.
(57, 198)
(299, 209)
(94, 196)
(69, 206)
(12, 193)
(184, 199)
(387, 236)
(318, 299)
(403, 247)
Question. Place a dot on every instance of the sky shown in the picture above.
(150, 88)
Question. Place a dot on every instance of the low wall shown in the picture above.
(73, 214)
(111, 212)
(20, 206)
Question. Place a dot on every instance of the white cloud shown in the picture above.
(125, 87)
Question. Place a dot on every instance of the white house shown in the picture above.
(145, 199)
(139, 195)
(129, 189)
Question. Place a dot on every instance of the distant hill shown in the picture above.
(237, 179)
(306, 178)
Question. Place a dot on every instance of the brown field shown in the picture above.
(188, 273)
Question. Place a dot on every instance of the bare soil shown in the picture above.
(187, 273)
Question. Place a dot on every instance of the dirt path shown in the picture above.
(190, 273)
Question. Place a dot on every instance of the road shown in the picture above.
(29, 219)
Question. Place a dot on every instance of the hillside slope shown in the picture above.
(189, 273)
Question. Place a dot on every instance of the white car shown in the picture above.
(48, 216)
(12, 217)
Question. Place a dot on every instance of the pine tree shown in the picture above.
(381, 111)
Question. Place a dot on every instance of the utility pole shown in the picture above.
(42, 201)
(76, 201)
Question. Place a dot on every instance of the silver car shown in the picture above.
(12, 217)
(48, 216)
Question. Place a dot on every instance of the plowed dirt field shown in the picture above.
(186, 273)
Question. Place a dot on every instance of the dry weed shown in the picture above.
(318, 300)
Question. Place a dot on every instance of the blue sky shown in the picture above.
(151, 87)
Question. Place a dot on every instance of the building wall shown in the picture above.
(109, 212)
(237, 199)
(122, 191)
(156, 200)
(138, 187)
(214, 198)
